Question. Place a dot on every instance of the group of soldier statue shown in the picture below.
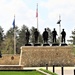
(45, 36)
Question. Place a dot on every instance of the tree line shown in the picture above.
(7, 40)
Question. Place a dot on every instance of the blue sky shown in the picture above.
(48, 10)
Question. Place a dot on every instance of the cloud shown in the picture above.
(57, 3)
(65, 8)
(23, 14)
(18, 7)
(49, 10)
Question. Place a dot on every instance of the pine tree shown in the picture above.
(9, 41)
(73, 37)
(1, 35)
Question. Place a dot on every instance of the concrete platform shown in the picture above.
(67, 70)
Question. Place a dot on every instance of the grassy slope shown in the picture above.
(47, 71)
(20, 73)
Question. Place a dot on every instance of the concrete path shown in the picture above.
(43, 72)
(67, 70)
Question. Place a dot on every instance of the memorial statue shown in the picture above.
(36, 35)
(27, 36)
(54, 33)
(63, 33)
(45, 36)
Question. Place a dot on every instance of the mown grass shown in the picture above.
(47, 71)
(20, 73)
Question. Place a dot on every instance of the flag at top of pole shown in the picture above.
(59, 21)
(13, 22)
(37, 10)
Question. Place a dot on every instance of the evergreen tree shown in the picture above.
(50, 35)
(73, 37)
(32, 35)
(1, 35)
(22, 35)
(40, 38)
(9, 41)
(21, 40)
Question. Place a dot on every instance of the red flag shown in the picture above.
(37, 11)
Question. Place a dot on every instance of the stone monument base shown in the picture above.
(46, 45)
(55, 44)
(28, 45)
(35, 56)
(64, 44)
(37, 44)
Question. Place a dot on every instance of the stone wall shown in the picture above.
(42, 55)
(6, 59)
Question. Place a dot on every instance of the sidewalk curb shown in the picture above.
(42, 72)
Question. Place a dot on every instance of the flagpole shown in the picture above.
(37, 23)
(60, 30)
(37, 15)
(14, 39)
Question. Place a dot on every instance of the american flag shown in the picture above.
(37, 10)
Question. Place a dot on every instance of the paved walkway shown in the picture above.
(43, 72)
(67, 70)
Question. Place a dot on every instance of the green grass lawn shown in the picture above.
(20, 73)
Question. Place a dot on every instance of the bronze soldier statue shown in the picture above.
(36, 35)
(63, 33)
(45, 36)
(54, 33)
(27, 36)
